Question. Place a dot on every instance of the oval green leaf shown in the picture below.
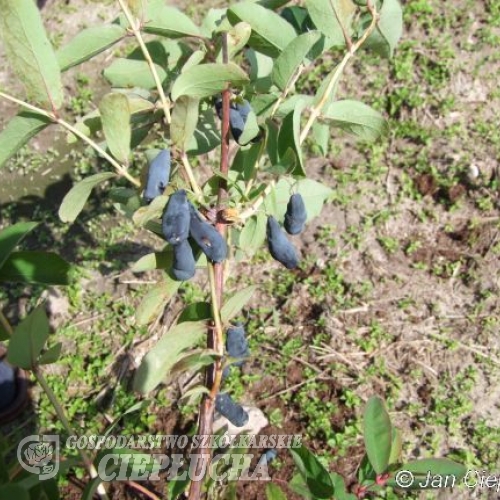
(236, 303)
(154, 301)
(291, 58)
(326, 15)
(77, 196)
(184, 121)
(115, 119)
(209, 79)
(389, 29)
(28, 339)
(30, 53)
(19, 131)
(128, 73)
(270, 32)
(11, 236)
(157, 363)
(316, 477)
(355, 118)
(87, 44)
(377, 434)
(45, 268)
(169, 22)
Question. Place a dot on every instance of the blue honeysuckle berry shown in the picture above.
(280, 247)
(158, 176)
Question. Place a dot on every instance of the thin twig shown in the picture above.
(347, 38)
(5, 323)
(316, 111)
(136, 30)
(143, 490)
(119, 168)
(216, 276)
(189, 172)
(67, 426)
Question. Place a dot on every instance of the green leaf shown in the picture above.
(355, 118)
(320, 92)
(28, 339)
(442, 466)
(115, 118)
(389, 29)
(157, 363)
(340, 488)
(51, 355)
(156, 260)
(245, 161)
(237, 38)
(19, 131)
(87, 44)
(77, 196)
(314, 194)
(396, 446)
(289, 138)
(29, 52)
(35, 267)
(272, 4)
(321, 136)
(184, 121)
(251, 129)
(4, 335)
(177, 486)
(299, 486)
(151, 212)
(261, 68)
(13, 490)
(11, 236)
(326, 15)
(289, 61)
(236, 303)
(126, 73)
(206, 136)
(194, 361)
(154, 301)
(206, 80)
(138, 8)
(253, 235)
(377, 434)
(270, 32)
(315, 475)
(420, 470)
(169, 22)
(274, 492)
(196, 312)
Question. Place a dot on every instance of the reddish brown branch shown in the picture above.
(213, 374)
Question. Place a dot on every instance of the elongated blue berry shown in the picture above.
(237, 344)
(184, 265)
(268, 455)
(296, 215)
(280, 247)
(210, 241)
(238, 114)
(7, 385)
(225, 405)
(158, 176)
(176, 218)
